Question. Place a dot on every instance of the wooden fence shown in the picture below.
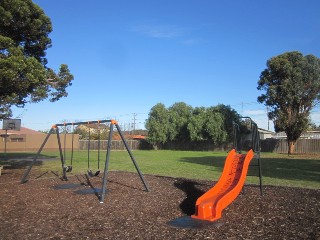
(267, 145)
(115, 144)
(281, 145)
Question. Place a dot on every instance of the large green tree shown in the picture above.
(179, 115)
(229, 116)
(180, 122)
(24, 76)
(291, 83)
(207, 124)
(157, 124)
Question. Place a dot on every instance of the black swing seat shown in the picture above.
(91, 174)
(68, 168)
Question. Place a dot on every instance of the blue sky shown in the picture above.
(126, 56)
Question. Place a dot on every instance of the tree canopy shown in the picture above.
(181, 122)
(157, 124)
(24, 76)
(291, 83)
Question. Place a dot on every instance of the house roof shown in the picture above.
(23, 130)
(264, 131)
(138, 137)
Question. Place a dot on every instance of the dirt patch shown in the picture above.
(48, 208)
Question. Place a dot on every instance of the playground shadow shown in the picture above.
(21, 160)
(187, 206)
(291, 169)
(214, 161)
(279, 168)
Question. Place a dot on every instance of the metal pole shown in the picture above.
(89, 150)
(5, 144)
(132, 158)
(105, 174)
(5, 141)
(260, 175)
(25, 175)
(64, 172)
(99, 149)
(80, 123)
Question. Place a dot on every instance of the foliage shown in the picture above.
(157, 124)
(206, 123)
(181, 122)
(196, 124)
(24, 76)
(179, 115)
(291, 83)
(229, 116)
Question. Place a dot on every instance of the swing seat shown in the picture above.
(68, 168)
(91, 174)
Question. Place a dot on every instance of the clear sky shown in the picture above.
(128, 55)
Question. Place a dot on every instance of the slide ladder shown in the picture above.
(210, 205)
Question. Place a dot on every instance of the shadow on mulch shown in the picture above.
(192, 192)
(187, 206)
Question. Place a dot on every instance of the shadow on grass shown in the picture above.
(21, 160)
(278, 168)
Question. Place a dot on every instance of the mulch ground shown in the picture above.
(48, 208)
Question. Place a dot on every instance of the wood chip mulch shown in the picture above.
(48, 208)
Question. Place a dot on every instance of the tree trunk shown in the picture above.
(291, 144)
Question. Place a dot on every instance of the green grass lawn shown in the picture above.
(277, 169)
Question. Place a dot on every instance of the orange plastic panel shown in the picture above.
(210, 205)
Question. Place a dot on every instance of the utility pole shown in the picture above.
(134, 122)
(268, 116)
(242, 107)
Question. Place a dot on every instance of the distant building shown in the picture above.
(264, 134)
(30, 140)
(305, 135)
(18, 136)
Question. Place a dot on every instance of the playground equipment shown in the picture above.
(210, 205)
(90, 173)
(69, 167)
(65, 168)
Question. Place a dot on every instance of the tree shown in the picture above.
(179, 115)
(291, 83)
(24, 76)
(207, 124)
(158, 124)
(196, 125)
(181, 122)
(229, 116)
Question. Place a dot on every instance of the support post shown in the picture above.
(104, 181)
(64, 171)
(132, 157)
(105, 173)
(25, 175)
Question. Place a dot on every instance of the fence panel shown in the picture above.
(281, 145)
(115, 144)
(267, 145)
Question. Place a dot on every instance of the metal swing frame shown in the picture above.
(113, 123)
(255, 145)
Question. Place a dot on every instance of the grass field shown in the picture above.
(277, 169)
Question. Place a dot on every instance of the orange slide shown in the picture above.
(210, 205)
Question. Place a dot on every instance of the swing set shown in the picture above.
(62, 151)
